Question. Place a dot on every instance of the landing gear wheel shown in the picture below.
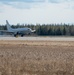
(15, 35)
(29, 34)
(22, 35)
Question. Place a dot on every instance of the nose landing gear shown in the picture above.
(22, 35)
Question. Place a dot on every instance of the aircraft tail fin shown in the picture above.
(8, 25)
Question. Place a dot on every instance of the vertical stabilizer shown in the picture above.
(8, 26)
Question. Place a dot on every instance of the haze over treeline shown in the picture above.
(47, 29)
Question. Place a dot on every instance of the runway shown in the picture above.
(38, 38)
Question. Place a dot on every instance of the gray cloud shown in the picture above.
(27, 4)
(22, 1)
(31, 1)
(59, 1)
(21, 4)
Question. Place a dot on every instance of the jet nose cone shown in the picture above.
(33, 30)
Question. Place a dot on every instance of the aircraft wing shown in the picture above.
(5, 32)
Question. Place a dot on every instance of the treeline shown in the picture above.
(47, 29)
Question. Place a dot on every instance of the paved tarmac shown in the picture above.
(38, 38)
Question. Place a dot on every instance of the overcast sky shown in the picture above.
(37, 11)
